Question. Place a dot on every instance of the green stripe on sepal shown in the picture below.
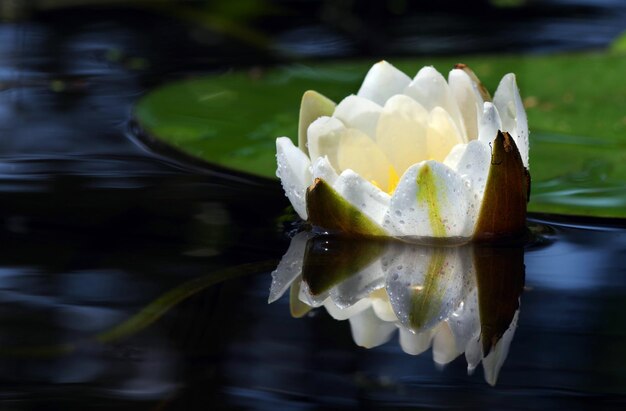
(503, 211)
(313, 106)
(326, 208)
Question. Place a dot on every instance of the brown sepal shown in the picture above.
(503, 211)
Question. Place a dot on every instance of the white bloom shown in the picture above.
(402, 157)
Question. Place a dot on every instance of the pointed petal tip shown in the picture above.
(382, 81)
(428, 71)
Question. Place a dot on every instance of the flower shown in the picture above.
(455, 299)
(420, 158)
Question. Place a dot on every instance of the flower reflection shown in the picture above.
(456, 300)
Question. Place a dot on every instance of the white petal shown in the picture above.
(362, 194)
(294, 173)
(439, 209)
(464, 322)
(444, 345)
(473, 165)
(453, 158)
(472, 162)
(467, 327)
(383, 81)
(382, 307)
(370, 331)
(359, 113)
(489, 124)
(509, 103)
(290, 266)
(361, 154)
(415, 343)
(473, 352)
(323, 169)
(340, 314)
(359, 286)
(401, 132)
(465, 92)
(492, 363)
(442, 135)
(430, 89)
(324, 135)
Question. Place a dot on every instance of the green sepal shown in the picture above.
(500, 280)
(329, 260)
(503, 211)
(326, 208)
(313, 106)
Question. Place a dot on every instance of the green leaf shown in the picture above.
(575, 105)
(619, 44)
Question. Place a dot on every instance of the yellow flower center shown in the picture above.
(392, 180)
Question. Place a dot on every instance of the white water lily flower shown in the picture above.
(424, 158)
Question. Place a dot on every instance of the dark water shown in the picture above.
(94, 229)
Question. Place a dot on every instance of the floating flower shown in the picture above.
(422, 158)
(454, 299)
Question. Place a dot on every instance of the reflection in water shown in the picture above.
(462, 299)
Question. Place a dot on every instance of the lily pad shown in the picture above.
(575, 105)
